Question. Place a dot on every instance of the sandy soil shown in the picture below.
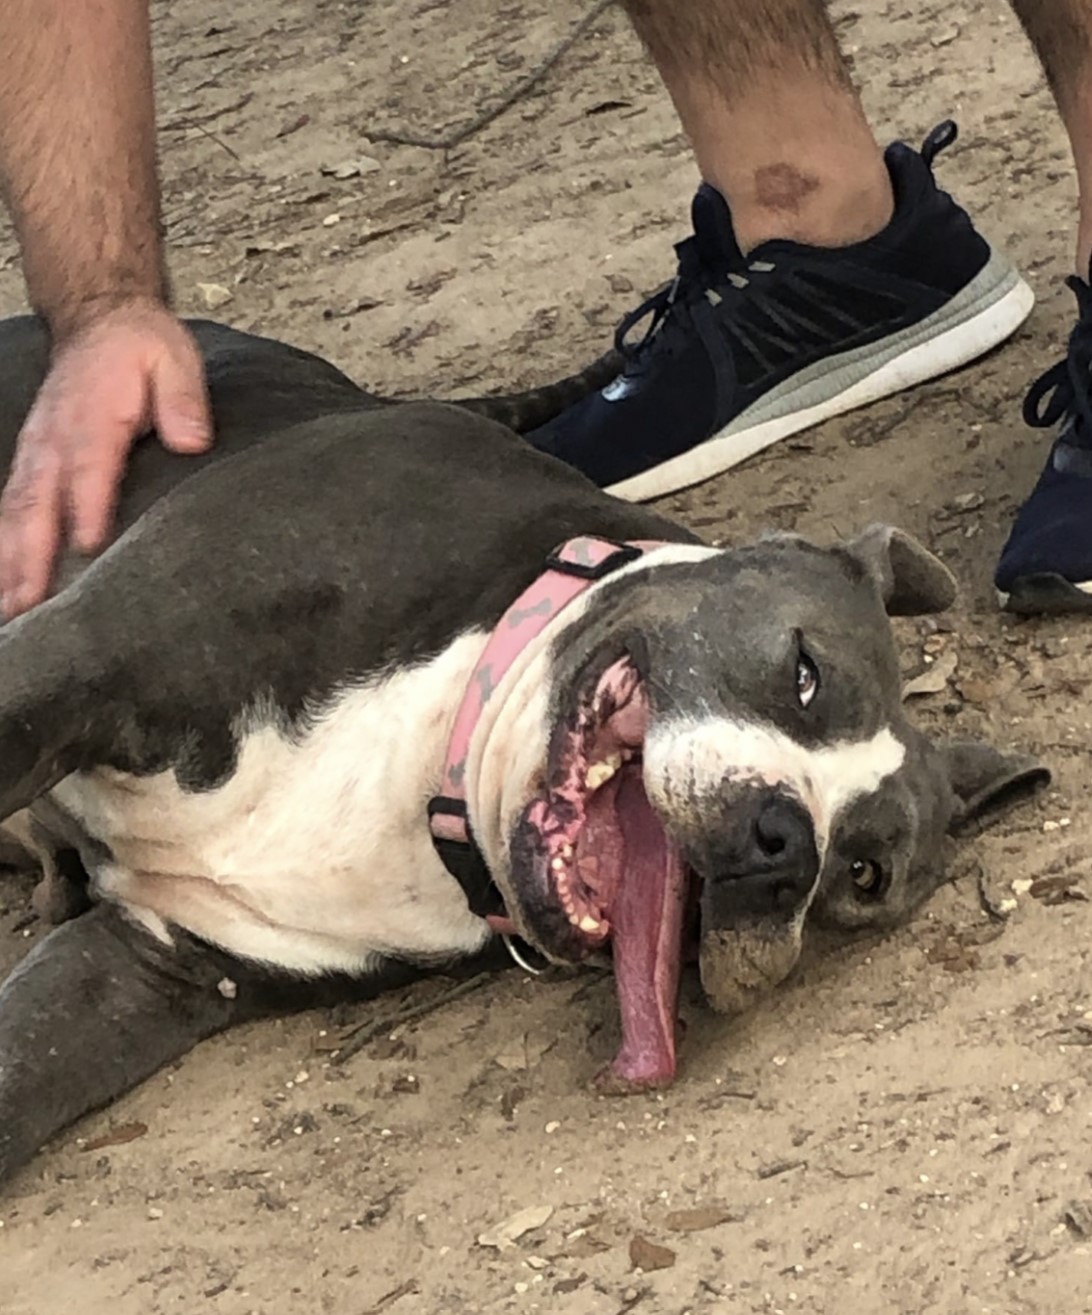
(905, 1128)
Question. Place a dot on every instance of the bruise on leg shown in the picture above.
(783, 187)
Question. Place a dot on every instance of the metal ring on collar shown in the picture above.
(509, 945)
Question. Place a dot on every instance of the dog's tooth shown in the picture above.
(558, 864)
(588, 924)
(566, 851)
(599, 774)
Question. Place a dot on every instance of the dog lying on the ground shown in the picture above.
(370, 683)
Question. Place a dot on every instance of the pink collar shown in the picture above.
(569, 570)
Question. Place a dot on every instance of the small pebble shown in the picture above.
(154, 1212)
(553, 1126)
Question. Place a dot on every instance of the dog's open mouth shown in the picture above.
(592, 865)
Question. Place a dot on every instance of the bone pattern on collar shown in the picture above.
(570, 569)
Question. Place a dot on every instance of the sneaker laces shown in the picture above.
(671, 307)
(1066, 388)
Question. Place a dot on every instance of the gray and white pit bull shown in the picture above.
(224, 738)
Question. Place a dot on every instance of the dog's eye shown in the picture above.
(807, 680)
(868, 879)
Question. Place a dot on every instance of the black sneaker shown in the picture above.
(1046, 565)
(743, 351)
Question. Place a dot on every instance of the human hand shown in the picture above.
(122, 372)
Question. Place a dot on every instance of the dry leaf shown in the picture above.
(583, 1248)
(700, 1218)
(1056, 890)
(293, 125)
(564, 1286)
(117, 1136)
(1078, 1215)
(511, 1230)
(524, 1055)
(214, 295)
(934, 679)
(979, 691)
(952, 955)
(648, 1256)
(352, 168)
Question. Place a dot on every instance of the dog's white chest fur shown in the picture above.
(315, 855)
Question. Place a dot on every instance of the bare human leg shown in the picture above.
(821, 273)
(777, 127)
(1061, 32)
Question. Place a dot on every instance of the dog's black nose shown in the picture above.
(762, 860)
(782, 832)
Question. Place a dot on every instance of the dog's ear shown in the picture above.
(911, 581)
(986, 782)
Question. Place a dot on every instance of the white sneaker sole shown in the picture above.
(987, 312)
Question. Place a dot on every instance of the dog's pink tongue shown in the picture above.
(647, 920)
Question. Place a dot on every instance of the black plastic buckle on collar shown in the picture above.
(622, 555)
(463, 859)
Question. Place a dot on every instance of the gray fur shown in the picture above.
(329, 538)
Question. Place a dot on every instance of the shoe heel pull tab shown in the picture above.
(941, 137)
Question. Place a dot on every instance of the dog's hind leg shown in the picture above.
(101, 1004)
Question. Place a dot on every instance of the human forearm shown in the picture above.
(77, 154)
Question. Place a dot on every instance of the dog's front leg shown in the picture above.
(96, 1007)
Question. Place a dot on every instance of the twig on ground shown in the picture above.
(219, 141)
(409, 1288)
(459, 135)
(360, 1036)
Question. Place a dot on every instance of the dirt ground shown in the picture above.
(906, 1126)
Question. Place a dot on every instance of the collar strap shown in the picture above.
(568, 572)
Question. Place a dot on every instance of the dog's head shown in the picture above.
(730, 731)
